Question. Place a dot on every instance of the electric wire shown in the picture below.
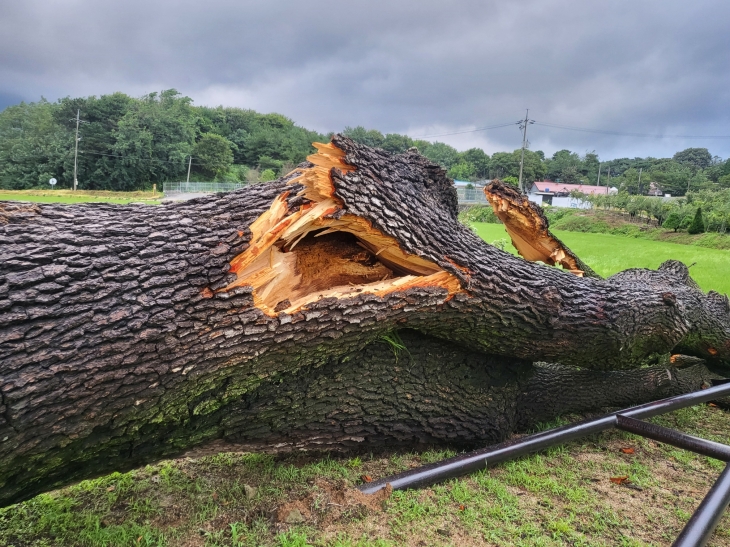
(625, 134)
(465, 131)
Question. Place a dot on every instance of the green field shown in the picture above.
(609, 254)
(79, 196)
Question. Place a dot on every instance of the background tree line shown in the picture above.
(693, 169)
(697, 212)
(130, 143)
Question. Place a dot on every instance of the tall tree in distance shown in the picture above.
(697, 158)
(697, 226)
(213, 154)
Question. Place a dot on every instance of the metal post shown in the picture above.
(76, 151)
(665, 435)
(700, 527)
(190, 162)
(524, 144)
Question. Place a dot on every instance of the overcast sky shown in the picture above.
(417, 67)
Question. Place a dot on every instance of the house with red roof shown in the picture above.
(558, 194)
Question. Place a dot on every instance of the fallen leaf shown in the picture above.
(628, 450)
(712, 405)
(462, 507)
(111, 489)
(619, 480)
(215, 496)
(139, 539)
(366, 478)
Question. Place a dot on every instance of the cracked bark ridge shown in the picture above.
(132, 333)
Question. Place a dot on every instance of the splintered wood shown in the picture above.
(317, 251)
(528, 229)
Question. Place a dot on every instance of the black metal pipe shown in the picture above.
(712, 449)
(479, 459)
(700, 527)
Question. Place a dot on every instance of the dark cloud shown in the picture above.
(426, 67)
(8, 99)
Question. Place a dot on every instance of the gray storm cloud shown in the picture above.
(422, 68)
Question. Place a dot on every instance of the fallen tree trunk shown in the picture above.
(269, 318)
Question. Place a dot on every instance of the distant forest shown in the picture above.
(130, 143)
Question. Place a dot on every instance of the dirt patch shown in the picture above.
(329, 503)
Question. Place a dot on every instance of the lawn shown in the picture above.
(609, 254)
(564, 496)
(79, 196)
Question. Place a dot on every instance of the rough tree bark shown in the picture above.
(342, 306)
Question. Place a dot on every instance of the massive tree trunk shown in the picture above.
(340, 307)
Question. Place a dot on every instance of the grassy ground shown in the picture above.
(562, 497)
(609, 254)
(620, 224)
(79, 196)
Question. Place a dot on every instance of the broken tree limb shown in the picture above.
(527, 226)
(133, 333)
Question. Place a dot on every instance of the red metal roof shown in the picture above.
(548, 186)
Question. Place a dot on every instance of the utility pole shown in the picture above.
(599, 175)
(639, 184)
(190, 162)
(76, 151)
(523, 125)
(609, 177)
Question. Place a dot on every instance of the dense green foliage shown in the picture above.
(127, 143)
(130, 143)
(696, 226)
(693, 169)
(479, 213)
(673, 214)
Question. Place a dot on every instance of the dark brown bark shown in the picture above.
(132, 333)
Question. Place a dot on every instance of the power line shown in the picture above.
(137, 158)
(622, 134)
(467, 131)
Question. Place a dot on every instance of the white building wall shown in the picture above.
(573, 203)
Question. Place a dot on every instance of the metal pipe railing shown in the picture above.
(675, 438)
(700, 527)
(479, 459)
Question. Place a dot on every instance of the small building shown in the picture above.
(557, 194)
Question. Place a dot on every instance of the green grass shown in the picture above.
(80, 196)
(563, 496)
(609, 254)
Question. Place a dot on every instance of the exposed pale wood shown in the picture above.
(527, 226)
(287, 274)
